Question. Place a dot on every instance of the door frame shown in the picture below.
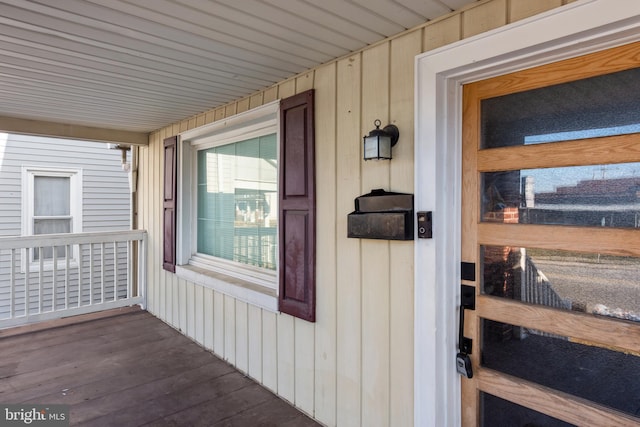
(581, 27)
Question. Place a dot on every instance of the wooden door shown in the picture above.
(551, 221)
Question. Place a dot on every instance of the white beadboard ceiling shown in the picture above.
(138, 65)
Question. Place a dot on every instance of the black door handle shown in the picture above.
(465, 345)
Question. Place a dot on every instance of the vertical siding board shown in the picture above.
(484, 17)
(270, 350)
(191, 310)
(156, 222)
(218, 324)
(207, 318)
(242, 337)
(326, 328)
(403, 52)
(143, 175)
(153, 258)
(184, 306)
(304, 345)
(286, 89)
(256, 100)
(304, 82)
(243, 105)
(442, 32)
(520, 9)
(199, 314)
(375, 275)
(230, 109)
(174, 295)
(270, 94)
(348, 308)
(230, 329)
(254, 317)
(286, 357)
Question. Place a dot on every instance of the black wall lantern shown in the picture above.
(377, 145)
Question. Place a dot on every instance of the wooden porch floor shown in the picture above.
(127, 368)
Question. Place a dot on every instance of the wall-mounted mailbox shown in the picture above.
(382, 215)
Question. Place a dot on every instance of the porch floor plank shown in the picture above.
(132, 369)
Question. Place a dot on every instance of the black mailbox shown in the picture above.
(382, 215)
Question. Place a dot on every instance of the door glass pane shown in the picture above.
(498, 412)
(592, 283)
(238, 202)
(52, 196)
(598, 106)
(598, 374)
(596, 196)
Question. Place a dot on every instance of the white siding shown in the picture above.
(105, 193)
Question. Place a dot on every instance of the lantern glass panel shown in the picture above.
(385, 147)
(370, 147)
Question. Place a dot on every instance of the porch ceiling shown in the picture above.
(138, 65)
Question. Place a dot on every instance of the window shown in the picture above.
(51, 202)
(239, 206)
(228, 191)
(237, 201)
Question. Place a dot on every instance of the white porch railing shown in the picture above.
(51, 276)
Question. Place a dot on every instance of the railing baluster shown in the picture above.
(54, 289)
(12, 285)
(102, 268)
(27, 262)
(129, 246)
(67, 252)
(115, 270)
(80, 256)
(91, 274)
(40, 280)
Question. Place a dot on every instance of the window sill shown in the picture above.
(237, 288)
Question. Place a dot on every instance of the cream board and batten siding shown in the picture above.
(354, 366)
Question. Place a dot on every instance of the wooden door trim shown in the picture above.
(551, 402)
(582, 67)
(593, 151)
(580, 327)
(602, 240)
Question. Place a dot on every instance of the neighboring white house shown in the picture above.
(51, 186)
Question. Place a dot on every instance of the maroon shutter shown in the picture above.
(169, 203)
(297, 207)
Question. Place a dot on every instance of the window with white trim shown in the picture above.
(229, 197)
(51, 205)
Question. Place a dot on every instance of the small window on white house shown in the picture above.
(52, 205)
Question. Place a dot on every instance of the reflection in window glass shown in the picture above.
(598, 106)
(596, 196)
(592, 283)
(238, 202)
(498, 412)
(598, 374)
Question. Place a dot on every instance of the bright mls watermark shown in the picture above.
(34, 415)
